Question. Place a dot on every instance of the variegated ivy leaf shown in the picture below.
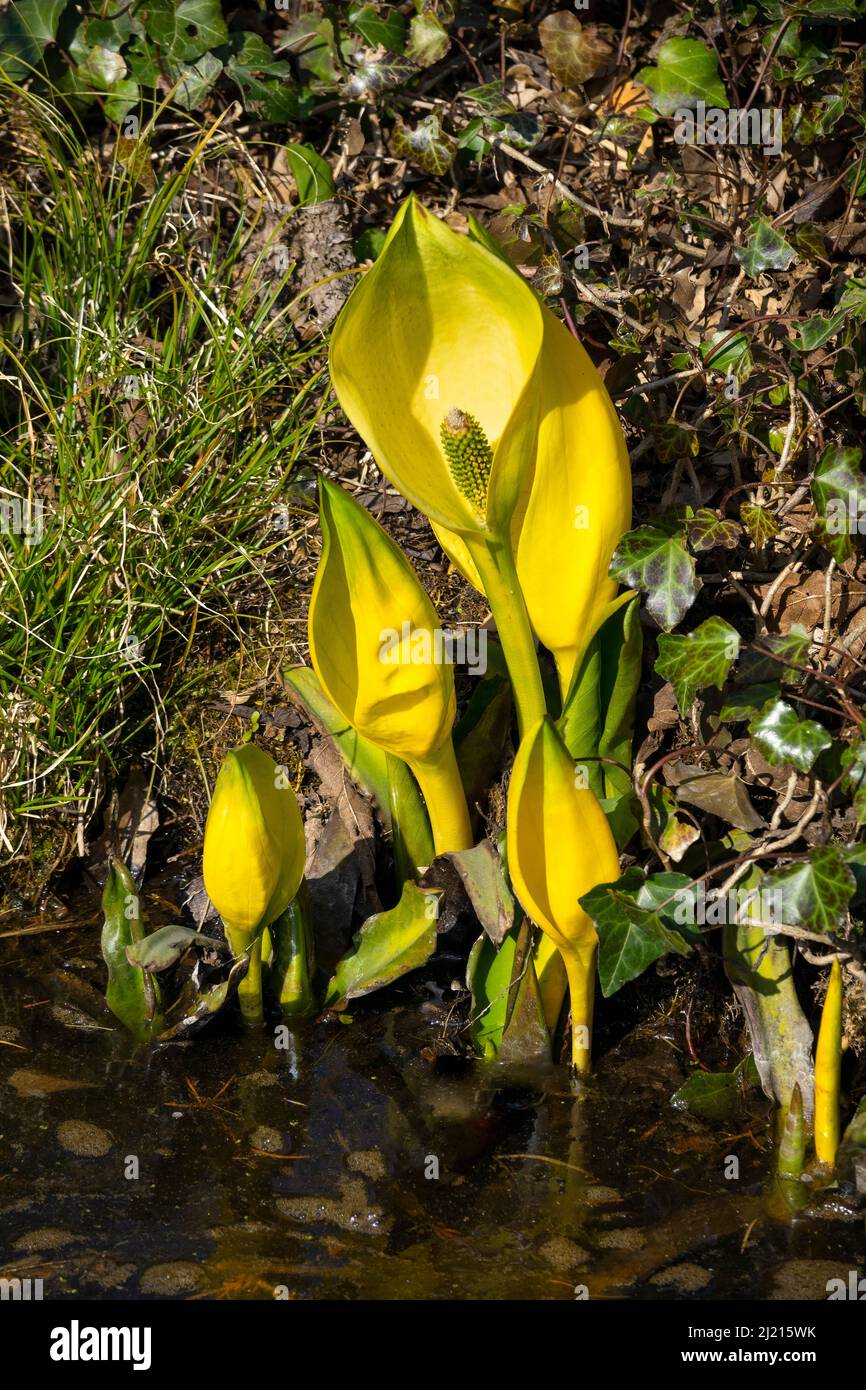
(707, 530)
(652, 560)
(427, 145)
(839, 494)
(786, 740)
(573, 51)
(691, 661)
(814, 894)
(761, 525)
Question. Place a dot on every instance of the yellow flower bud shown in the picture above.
(377, 648)
(253, 843)
(559, 847)
(828, 1071)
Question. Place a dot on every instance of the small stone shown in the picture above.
(46, 1238)
(562, 1254)
(368, 1162)
(686, 1278)
(596, 1195)
(267, 1139)
(83, 1139)
(629, 1238)
(806, 1279)
(171, 1279)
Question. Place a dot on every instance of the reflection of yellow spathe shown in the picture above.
(367, 607)
(440, 325)
(559, 847)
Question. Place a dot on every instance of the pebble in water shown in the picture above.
(83, 1139)
(168, 1280)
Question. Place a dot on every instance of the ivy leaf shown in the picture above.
(723, 351)
(194, 80)
(26, 29)
(686, 73)
(312, 175)
(185, 30)
(761, 525)
(839, 494)
(386, 31)
(651, 560)
(816, 331)
(427, 145)
(814, 894)
(691, 661)
(745, 701)
(265, 82)
(573, 52)
(428, 40)
(766, 249)
(707, 530)
(854, 763)
(630, 935)
(785, 739)
(388, 945)
(721, 794)
(771, 661)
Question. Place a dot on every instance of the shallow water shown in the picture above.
(345, 1165)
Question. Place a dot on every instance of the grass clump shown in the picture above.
(153, 403)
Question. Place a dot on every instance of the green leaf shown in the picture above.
(854, 763)
(483, 876)
(771, 660)
(759, 968)
(814, 894)
(686, 73)
(184, 29)
(312, 174)
(489, 972)
(707, 531)
(573, 53)
(766, 249)
(369, 767)
(26, 29)
(716, 1095)
(760, 523)
(852, 304)
(428, 40)
(720, 794)
(839, 494)
(427, 145)
(784, 739)
(630, 936)
(734, 354)
(621, 650)
(744, 701)
(194, 80)
(651, 560)
(385, 30)
(165, 946)
(697, 659)
(131, 995)
(388, 945)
